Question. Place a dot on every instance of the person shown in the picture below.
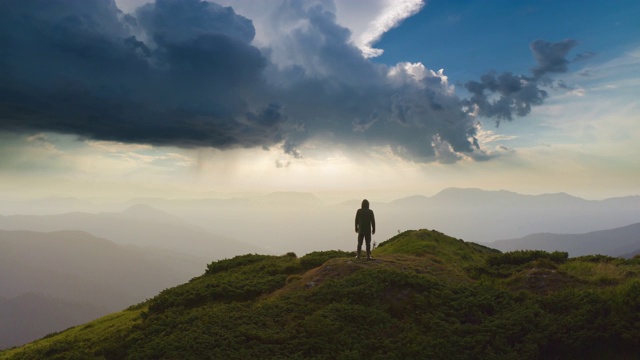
(365, 227)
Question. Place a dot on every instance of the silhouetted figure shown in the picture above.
(365, 226)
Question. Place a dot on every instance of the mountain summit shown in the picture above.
(424, 296)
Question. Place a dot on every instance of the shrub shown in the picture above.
(521, 257)
(544, 263)
(240, 260)
(507, 264)
(595, 258)
(317, 258)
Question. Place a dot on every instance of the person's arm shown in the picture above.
(373, 223)
(357, 216)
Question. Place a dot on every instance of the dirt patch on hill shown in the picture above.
(343, 267)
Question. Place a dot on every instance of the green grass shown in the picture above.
(606, 272)
(425, 295)
(421, 243)
(84, 341)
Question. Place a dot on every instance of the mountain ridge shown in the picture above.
(140, 225)
(615, 242)
(69, 268)
(30, 316)
(425, 295)
(276, 225)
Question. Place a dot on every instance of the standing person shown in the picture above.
(365, 227)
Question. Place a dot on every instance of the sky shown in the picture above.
(109, 99)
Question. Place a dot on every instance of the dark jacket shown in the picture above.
(365, 221)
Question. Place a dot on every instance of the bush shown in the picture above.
(521, 257)
(544, 263)
(317, 258)
(240, 279)
(507, 264)
(240, 260)
(595, 258)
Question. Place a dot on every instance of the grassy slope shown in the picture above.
(425, 295)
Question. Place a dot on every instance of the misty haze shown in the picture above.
(303, 222)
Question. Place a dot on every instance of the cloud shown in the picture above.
(177, 21)
(551, 57)
(78, 67)
(366, 21)
(130, 6)
(191, 74)
(503, 96)
(282, 164)
(384, 16)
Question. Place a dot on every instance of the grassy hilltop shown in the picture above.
(424, 296)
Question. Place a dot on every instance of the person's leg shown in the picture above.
(360, 238)
(367, 238)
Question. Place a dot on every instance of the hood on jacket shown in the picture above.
(365, 204)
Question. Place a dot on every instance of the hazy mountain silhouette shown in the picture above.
(279, 222)
(74, 268)
(53, 205)
(631, 254)
(78, 266)
(143, 211)
(288, 198)
(302, 223)
(31, 316)
(139, 225)
(486, 216)
(619, 242)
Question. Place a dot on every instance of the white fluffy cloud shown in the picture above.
(369, 20)
(366, 20)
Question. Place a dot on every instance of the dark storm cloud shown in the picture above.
(174, 76)
(551, 57)
(180, 20)
(345, 100)
(501, 97)
(184, 73)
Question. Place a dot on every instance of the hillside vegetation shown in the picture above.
(424, 296)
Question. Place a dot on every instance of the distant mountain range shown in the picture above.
(31, 316)
(78, 266)
(619, 242)
(54, 205)
(50, 281)
(96, 263)
(140, 225)
(486, 216)
(302, 222)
